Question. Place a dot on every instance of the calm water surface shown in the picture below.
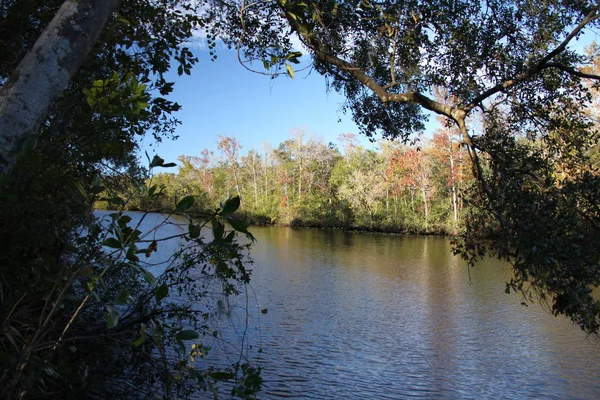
(391, 317)
(369, 316)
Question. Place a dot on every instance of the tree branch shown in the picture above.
(573, 71)
(358, 73)
(537, 67)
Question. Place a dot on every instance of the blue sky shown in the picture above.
(222, 97)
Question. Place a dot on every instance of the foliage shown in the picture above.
(82, 314)
(308, 183)
(541, 214)
(101, 322)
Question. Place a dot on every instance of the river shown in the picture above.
(372, 316)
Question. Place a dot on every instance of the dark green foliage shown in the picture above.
(81, 315)
(97, 321)
(541, 214)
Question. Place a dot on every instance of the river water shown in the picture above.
(371, 316)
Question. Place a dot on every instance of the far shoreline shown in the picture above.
(254, 220)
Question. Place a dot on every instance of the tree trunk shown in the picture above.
(426, 207)
(387, 200)
(454, 197)
(46, 70)
(237, 182)
(300, 180)
(255, 185)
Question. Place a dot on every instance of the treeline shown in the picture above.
(306, 182)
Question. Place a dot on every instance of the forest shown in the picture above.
(513, 172)
(305, 182)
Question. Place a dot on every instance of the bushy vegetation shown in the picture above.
(305, 182)
(84, 312)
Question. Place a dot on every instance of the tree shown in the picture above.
(230, 148)
(412, 166)
(45, 72)
(363, 191)
(77, 299)
(451, 160)
(251, 163)
(508, 63)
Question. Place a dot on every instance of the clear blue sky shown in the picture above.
(222, 97)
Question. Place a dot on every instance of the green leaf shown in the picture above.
(293, 57)
(231, 205)
(116, 200)
(169, 165)
(161, 292)
(139, 341)
(156, 162)
(96, 179)
(123, 20)
(79, 187)
(148, 277)
(266, 65)
(131, 251)
(238, 224)
(185, 203)
(124, 298)
(229, 237)
(194, 231)
(218, 230)
(187, 335)
(112, 243)
(241, 226)
(112, 317)
(290, 70)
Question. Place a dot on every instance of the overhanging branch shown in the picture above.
(537, 67)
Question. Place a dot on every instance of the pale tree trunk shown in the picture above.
(266, 181)
(265, 166)
(425, 206)
(454, 197)
(46, 70)
(300, 179)
(387, 200)
(254, 176)
(237, 182)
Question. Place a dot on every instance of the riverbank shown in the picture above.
(375, 227)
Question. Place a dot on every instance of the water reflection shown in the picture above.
(373, 316)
